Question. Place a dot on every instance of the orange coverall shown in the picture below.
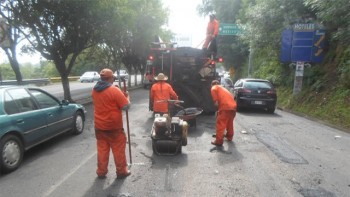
(226, 113)
(109, 131)
(162, 91)
(212, 32)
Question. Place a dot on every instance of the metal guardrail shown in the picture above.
(43, 81)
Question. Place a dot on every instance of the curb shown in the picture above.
(314, 119)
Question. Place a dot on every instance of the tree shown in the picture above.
(61, 30)
(14, 37)
(134, 32)
(335, 16)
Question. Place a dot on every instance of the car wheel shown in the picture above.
(12, 152)
(271, 110)
(78, 124)
(239, 108)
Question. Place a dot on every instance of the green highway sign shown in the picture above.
(229, 29)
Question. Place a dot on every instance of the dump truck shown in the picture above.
(190, 73)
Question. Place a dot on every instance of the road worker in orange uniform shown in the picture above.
(161, 91)
(108, 103)
(212, 33)
(226, 113)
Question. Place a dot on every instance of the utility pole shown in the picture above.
(250, 60)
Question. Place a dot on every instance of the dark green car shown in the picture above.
(30, 116)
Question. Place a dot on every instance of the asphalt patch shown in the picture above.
(316, 192)
(280, 148)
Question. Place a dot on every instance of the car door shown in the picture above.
(25, 116)
(58, 117)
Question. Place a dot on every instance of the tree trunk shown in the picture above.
(14, 63)
(66, 88)
(135, 77)
(142, 78)
(129, 81)
(61, 68)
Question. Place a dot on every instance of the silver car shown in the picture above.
(227, 83)
(90, 76)
(123, 74)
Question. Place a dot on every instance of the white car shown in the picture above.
(89, 76)
(226, 82)
(123, 74)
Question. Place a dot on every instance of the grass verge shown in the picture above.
(330, 106)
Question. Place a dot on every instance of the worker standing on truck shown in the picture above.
(226, 113)
(210, 45)
(161, 91)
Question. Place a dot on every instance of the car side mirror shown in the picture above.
(64, 102)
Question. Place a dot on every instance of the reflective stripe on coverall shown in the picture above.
(162, 91)
(226, 113)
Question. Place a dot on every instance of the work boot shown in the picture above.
(124, 175)
(101, 176)
(215, 143)
(228, 138)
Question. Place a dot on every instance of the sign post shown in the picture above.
(298, 79)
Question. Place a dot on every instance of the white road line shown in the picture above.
(64, 178)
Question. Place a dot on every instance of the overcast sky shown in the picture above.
(183, 20)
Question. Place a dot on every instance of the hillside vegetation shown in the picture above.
(325, 93)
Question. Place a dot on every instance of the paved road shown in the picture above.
(272, 155)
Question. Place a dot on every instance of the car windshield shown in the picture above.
(228, 81)
(88, 74)
(257, 85)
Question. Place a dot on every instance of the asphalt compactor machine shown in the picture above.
(169, 131)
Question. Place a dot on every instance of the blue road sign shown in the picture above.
(303, 44)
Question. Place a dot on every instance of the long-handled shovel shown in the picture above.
(127, 123)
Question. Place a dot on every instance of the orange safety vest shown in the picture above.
(213, 28)
(223, 97)
(108, 106)
(162, 91)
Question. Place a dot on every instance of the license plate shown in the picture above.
(258, 102)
